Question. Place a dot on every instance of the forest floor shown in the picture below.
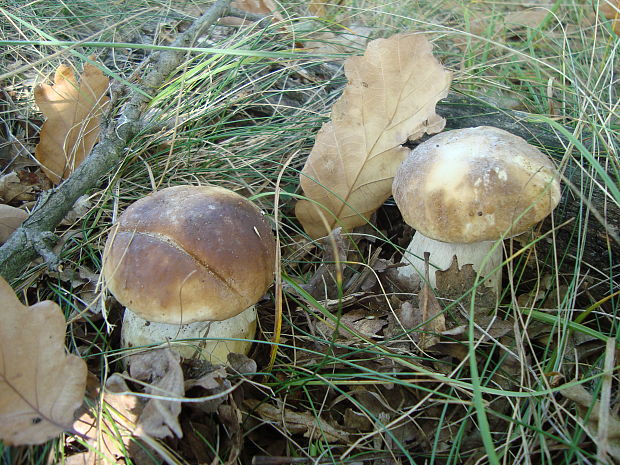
(348, 365)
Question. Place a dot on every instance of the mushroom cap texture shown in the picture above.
(190, 253)
(472, 185)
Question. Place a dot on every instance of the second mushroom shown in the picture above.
(465, 189)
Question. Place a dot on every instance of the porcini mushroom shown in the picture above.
(190, 262)
(462, 190)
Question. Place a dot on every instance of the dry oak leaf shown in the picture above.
(261, 7)
(109, 423)
(40, 384)
(390, 98)
(10, 219)
(73, 112)
(611, 10)
(161, 368)
(457, 281)
(590, 412)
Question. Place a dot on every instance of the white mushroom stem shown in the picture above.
(481, 255)
(206, 340)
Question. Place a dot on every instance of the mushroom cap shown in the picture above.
(190, 253)
(475, 184)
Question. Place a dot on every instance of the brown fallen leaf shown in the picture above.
(40, 384)
(232, 419)
(346, 42)
(160, 368)
(261, 7)
(213, 385)
(73, 112)
(108, 424)
(361, 322)
(10, 219)
(454, 282)
(295, 422)
(382, 405)
(611, 11)
(591, 410)
(357, 422)
(358, 320)
(79, 210)
(317, 8)
(530, 18)
(390, 97)
(240, 364)
(431, 312)
(325, 282)
(13, 190)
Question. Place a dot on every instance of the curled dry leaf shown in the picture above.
(295, 422)
(214, 385)
(13, 190)
(40, 384)
(73, 112)
(10, 219)
(162, 369)
(390, 97)
(430, 311)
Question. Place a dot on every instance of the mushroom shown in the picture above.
(190, 262)
(463, 190)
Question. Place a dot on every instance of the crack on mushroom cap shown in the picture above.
(474, 184)
(172, 243)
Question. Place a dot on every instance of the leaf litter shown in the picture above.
(385, 401)
(120, 422)
(161, 371)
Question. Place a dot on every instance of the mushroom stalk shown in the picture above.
(484, 259)
(207, 340)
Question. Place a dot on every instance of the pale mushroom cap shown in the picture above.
(473, 185)
(190, 253)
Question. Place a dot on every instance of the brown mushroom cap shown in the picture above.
(190, 253)
(472, 185)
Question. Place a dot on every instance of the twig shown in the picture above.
(20, 250)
